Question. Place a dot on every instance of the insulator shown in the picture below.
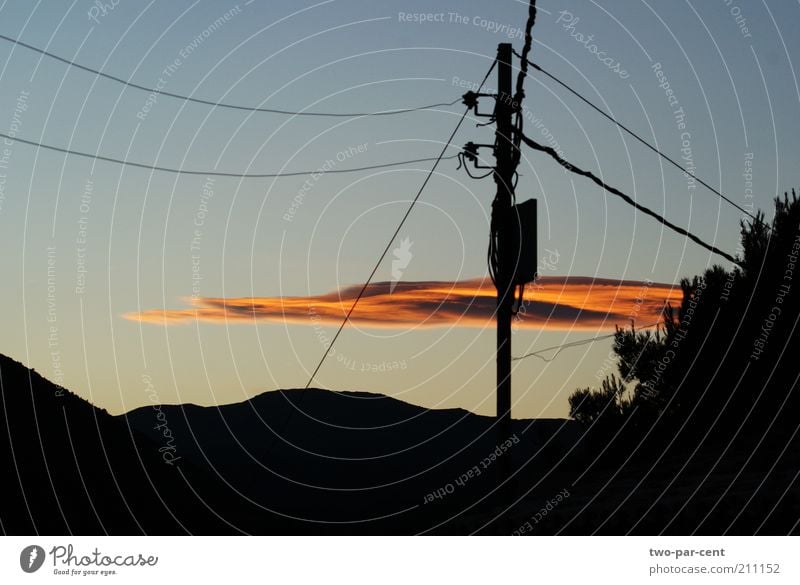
(471, 151)
(470, 99)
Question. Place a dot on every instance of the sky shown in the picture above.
(215, 289)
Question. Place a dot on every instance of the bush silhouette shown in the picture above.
(723, 365)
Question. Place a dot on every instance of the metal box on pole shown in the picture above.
(522, 242)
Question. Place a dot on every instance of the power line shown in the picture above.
(578, 171)
(576, 343)
(523, 73)
(381, 258)
(396, 232)
(186, 98)
(218, 173)
(642, 140)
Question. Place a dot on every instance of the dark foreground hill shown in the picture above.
(71, 468)
(342, 463)
(314, 461)
(348, 461)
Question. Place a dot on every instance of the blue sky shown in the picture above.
(738, 90)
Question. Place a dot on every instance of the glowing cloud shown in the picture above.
(552, 303)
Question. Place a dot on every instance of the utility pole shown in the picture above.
(513, 239)
(502, 209)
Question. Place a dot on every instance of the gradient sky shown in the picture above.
(738, 90)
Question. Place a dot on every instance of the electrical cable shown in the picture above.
(380, 260)
(218, 173)
(394, 235)
(640, 139)
(576, 343)
(578, 171)
(186, 98)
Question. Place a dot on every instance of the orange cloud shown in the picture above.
(552, 302)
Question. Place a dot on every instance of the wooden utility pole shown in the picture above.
(513, 240)
(506, 257)
(513, 246)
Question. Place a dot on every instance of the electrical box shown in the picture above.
(522, 242)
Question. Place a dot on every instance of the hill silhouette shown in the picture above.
(349, 462)
(72, 468)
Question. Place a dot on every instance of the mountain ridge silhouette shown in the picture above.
(349, 462)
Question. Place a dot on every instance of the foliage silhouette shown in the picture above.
(721, 367)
